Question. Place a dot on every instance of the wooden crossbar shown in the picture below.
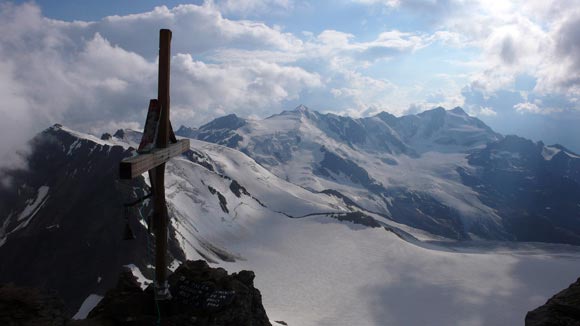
(134, 166)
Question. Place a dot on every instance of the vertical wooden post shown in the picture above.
(163, 86)
(160, 207)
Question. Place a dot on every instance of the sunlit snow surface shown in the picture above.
(319, 271)
(315, 270)
(316, 273)
(90, 302)
(141, 279)
(33, 205)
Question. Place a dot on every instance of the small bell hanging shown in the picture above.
(127, 233)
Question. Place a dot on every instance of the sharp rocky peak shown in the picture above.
(302, 108)
(384, 114)
(438, 111)
(230, 121)
(300, 111)
(442, 111)
(459, 110)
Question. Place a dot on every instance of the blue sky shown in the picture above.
(91, 64)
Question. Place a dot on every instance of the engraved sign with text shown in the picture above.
(202, 296)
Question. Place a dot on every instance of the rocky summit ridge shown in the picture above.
(201, 296)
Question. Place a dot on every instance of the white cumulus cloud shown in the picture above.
(98, 75)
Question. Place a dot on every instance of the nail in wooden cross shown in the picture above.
(158, 145)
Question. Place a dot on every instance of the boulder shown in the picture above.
(563, 309)
(30, 307)
(201, 295)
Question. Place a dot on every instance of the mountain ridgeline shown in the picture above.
(440, 170)
(288, 175)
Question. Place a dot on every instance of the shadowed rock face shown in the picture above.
(563, 309)
(201, 296)
(537, 198)
(74, 242)
(220, 131)
(28, 306)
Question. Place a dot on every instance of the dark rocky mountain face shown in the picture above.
(63, 218)
(29, 306)
(563, 309)
(539, 199)
(230, 121)
(530, 197)
(203, 296)
(565, 164)
(188, 132)
(220, 131)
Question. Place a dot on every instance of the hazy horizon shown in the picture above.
(92, 66)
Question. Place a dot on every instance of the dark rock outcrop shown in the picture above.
(77, 232)
(357, 218)
(201, 296)
(238, 189)
(120, 133)
(563, 309)
(29, 306)
(536, 198)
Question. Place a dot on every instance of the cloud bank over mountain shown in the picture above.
(514, 65)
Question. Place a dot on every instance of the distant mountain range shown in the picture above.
(441, 170)
(284, 184)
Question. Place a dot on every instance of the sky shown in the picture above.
(91, 65)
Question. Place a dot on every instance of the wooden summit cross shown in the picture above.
(157, 146)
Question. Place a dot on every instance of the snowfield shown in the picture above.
(314, 269)
(317, 270)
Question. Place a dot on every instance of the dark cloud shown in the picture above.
(376, 52)
(568, 47)
(433, 11)
(568, 40)
(508, 50)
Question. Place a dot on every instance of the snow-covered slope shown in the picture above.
(318, 270)
(318, 260)
(372, 162)
(409, 169)
(447, 131)
(218, 203)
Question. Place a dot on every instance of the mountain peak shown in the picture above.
(435, 111)
(120, 133)
(442, 111)
(384, 114)
(302, 108)
(230, 121)
(299, 111)
(184, 131)
(459, 110)
(386, 117)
